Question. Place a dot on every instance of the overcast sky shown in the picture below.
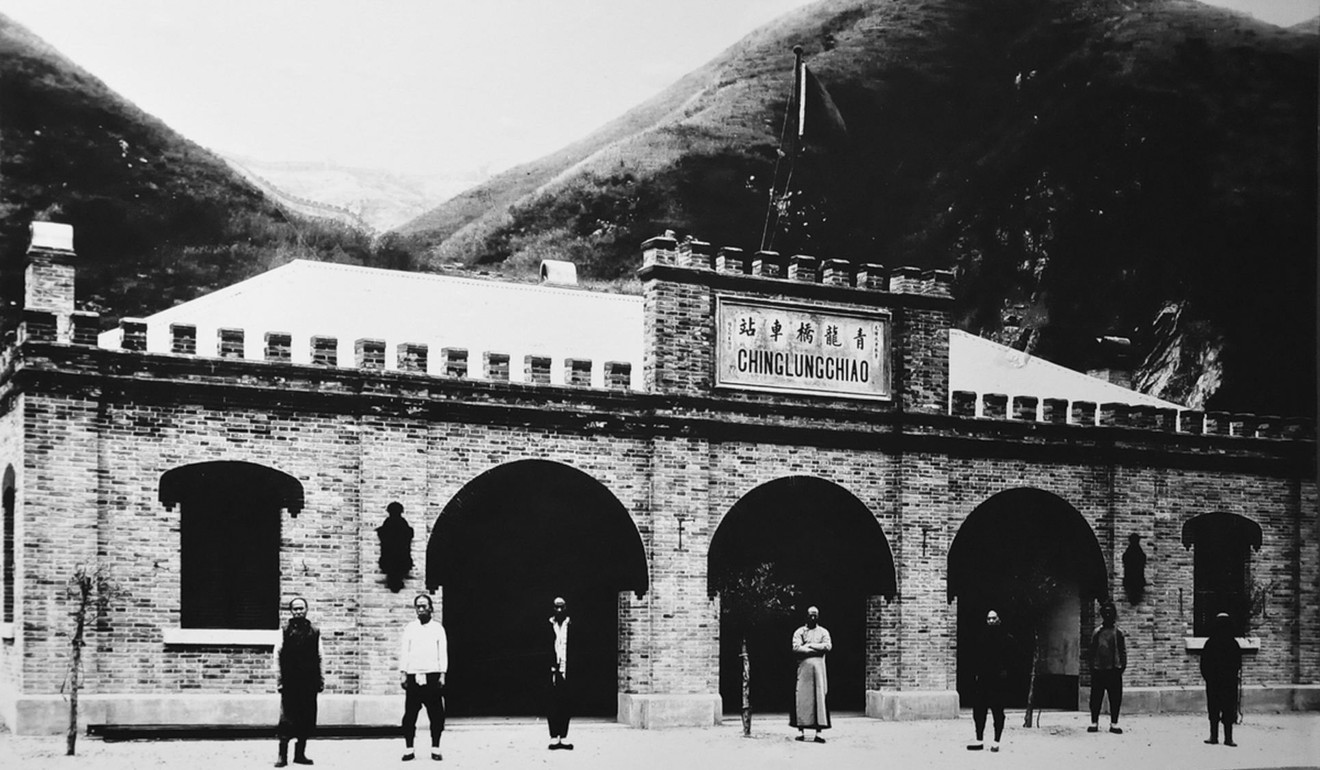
(426, 86)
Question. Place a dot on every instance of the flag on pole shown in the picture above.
(819, 121)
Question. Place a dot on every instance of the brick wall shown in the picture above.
(91, 432)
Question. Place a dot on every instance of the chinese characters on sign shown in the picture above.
(801, 349)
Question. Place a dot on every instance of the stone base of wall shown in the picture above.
(49, 714)
(1186, 700)
(670, 710)
(912, 704)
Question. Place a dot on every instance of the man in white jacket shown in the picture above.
(423, 660)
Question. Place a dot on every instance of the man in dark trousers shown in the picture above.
(1108, 657)
(991, 659)
(560, 702)
(423, 661)
(1221, 663)
(298, 679)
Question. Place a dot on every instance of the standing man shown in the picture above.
(1221, 663)
(560, 703)
(423, 660)
(810, 643)
(298, 679)
(991, 657)
(1108, 661)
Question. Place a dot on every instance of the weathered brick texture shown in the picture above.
(89, 433)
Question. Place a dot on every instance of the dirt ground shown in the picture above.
(1060, 742)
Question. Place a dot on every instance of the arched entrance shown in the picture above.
(825, 543)
(504, 547)
(1032, 557)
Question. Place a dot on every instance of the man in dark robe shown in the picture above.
(560, 702)
(810, 643)
(1221, 664)
(299, 680)
(991, 658)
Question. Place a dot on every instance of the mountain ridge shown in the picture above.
(158, 218)
(1083, 167)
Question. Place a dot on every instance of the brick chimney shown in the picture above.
(48, 279)
(1111, 361)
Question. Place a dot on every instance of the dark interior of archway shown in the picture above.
(824, 542)
(514, 539)
(1000, 555)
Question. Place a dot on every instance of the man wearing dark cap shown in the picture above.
(298, 679)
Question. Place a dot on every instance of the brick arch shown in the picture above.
(1234, 525)
(825, 542)
(179, 484)
(509, 542)
(1032, 557)
(593, 504)
(1049, 515)
(842, 523)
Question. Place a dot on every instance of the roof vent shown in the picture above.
(559, 272)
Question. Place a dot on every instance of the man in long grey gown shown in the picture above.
(810, 643)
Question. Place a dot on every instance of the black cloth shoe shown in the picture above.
(281, 762)
(975, 746)
(800, 738)
(409, 757)
(302, 761)
(566, 746)
(818, 739)
(1229, 743)
(1212, 741)
(1115, 729)
(436, 756)
(1093, 729)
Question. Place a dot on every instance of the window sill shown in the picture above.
(1247, 643)
(7, 631)
(243, 637)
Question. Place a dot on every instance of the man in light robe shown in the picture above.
(423, 661)
(559, 709)
(810, 643)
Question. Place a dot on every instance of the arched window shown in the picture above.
(7, 557)
(1221, 559)
(229, 536)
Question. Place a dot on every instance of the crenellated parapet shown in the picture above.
(1059, 411)
(799, 268)
(369, 354)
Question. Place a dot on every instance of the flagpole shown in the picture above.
(799, 88)
(767, 233)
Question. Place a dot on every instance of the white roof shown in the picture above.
(983, 366)
(307, 298)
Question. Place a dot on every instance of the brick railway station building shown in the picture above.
(625, 452)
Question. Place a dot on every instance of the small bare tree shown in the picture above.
(90, 591)
(1031, 595)
(752, 597)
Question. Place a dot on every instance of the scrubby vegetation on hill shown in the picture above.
(1087, 168)
(157, 219)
